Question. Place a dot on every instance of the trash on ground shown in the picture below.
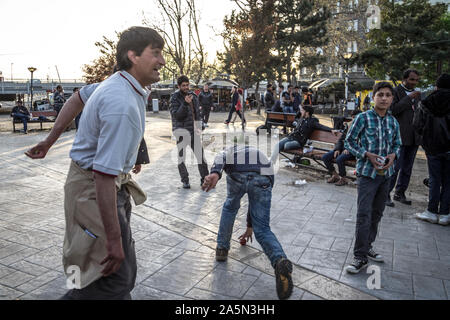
(300, 182)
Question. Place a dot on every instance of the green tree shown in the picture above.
(300, 24)
(102, 67)
(405, 39)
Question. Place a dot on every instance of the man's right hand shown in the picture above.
(336, 154)
(39, 151)
(188, 98)
(115, 256)
(210, 182)
(373, 159)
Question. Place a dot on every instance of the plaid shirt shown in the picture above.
(372, 133)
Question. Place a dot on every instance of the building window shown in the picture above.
(355, 25)
(355, 46)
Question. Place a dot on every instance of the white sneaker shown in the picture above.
(444, 219)
(427, 216)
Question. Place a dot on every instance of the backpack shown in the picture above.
(435, 131)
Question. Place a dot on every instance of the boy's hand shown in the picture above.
(246, 236)
(391, 158)
(210, 182)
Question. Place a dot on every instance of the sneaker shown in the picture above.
(389, 202)
(427, 216)
(226, 122)
(372, 255)
(400, 197)
(333, 179)
(356, 266)
(221, 254)
(186, 185)
(342, 182)
(283, 271)
(426, 182)
(444, 219)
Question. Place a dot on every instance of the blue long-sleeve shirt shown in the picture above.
(372, 133)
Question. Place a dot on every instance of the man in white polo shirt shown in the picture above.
(98, 253)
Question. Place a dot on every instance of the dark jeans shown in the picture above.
(206, 110)
(22, 117)
(340, 160)
(195, 143)
(230, 114)
(403, 168)
(284, 144)
(118, 285)
(372, 195)
(439, 193)
(259, 191)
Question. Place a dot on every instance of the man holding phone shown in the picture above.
(187, 128)
(374, 139)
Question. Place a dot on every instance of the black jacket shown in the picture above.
(269, 101)
(234, 99)
(205, 99)
(304, 129)
(181, 111)
(432, 121)
(21, 110)
(402, 110)
(339, 146)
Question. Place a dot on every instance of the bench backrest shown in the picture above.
(324, 136)
(289, 118)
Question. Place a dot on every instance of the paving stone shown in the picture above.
(225, 282)
(428, 250)
(328, 272)
(15, 279)
(424, 267)
(396, 281)
(323, 258)
(406, 248)
(303, 239)
(447, 287)
(341, 245)
(230, 265)
(18, 256)
(264, 288)
(252, 271)
(50, 258)
(321, 242)
(183, 273)
(29, 268)
(200, 294)
(8, 293)
(142, 292)
(11, 249)
(40, 281)
(429, 288)
(310, 296)
(4, 270)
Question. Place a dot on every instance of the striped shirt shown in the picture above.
(372, 133)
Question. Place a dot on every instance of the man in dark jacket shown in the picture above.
(269, 100)
(58, 99)
(186, 127)
(205, 99)
(19, 112)
(432, 121)
(298, 138)
(341, 155)
(406, 100)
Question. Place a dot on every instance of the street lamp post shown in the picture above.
(347, 56)
(31, 69)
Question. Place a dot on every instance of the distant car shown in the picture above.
(40, 105)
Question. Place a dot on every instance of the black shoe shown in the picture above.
(186, 185)
(283, 271)
(221, 254)
(402, 199)
(426, 182)
(389, 202)
(356, 266)
(372, 255)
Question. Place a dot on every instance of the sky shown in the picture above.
(48, 33)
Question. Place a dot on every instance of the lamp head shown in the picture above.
(32, 69)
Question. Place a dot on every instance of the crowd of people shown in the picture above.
(99, 185)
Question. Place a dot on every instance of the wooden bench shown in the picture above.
(322, 142)
(50, 116)
(282, 119)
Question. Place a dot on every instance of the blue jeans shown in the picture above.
(259, 190)
(372, 196)
(284, 144)
(439, 193)
(403, 169)
(340, 160)
(288, 109)
(24, 118)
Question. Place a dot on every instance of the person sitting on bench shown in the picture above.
(303, 130)
(19, 112)
(341, 155)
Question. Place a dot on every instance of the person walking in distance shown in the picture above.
(205, 99)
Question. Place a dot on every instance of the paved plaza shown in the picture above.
(175, 230)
